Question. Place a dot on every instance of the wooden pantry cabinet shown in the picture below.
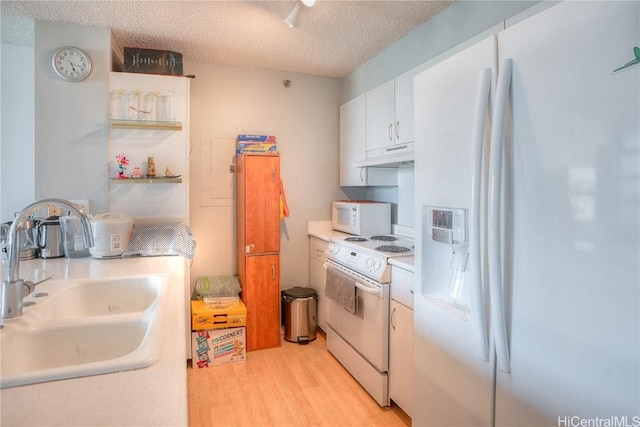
(258, 245)
(261, 295)
(258, 203)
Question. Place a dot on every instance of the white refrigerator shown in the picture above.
(527, 194)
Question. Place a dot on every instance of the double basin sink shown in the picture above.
(76, 328)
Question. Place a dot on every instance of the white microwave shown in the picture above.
(361, 217)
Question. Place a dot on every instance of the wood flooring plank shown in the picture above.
(292, 385)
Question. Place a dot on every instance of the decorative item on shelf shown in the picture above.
(167, 172)
(152, 61)
(122, 162)
(151, 168)
(137, 172)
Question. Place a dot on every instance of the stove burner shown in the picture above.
(355, 239)
(392, 248)
(384, 238)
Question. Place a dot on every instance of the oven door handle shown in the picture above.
(369, 289)
(364, 288)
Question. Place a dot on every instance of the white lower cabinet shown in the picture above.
(401, 341)
(318, 276)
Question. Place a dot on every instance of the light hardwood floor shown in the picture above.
(292, 385)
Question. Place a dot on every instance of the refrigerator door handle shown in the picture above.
(498, 322)
(477, 298)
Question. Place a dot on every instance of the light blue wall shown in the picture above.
(17, 182)
(456, 24)
(71, 119)
(54, 133)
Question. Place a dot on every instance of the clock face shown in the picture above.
(71, 64)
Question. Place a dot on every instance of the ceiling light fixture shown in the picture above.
(291, 19)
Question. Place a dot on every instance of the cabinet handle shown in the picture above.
(390, 131)
(273, 174)
(361, 173)
(319, 252)
(273, 272)
(393, 318)
(398, 130)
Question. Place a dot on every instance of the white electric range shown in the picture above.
(369, 255)
(360, 339)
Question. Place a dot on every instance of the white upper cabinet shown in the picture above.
(352, 149)
(404, 108)
(389, 119)
(380, 117)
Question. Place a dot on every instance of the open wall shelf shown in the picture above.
(145, 124)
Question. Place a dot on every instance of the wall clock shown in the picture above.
(71, 64)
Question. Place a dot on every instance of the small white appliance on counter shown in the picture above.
(111, 234)
(361, 217)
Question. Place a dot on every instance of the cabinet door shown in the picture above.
(258, 205)
(401, 356)
(380, 116)
(318, 276)
(352, 142)
(403, 126)
(261, 295)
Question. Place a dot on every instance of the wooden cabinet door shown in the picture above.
(261, 295)
(258, 203)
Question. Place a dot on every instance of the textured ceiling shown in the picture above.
(332, 38)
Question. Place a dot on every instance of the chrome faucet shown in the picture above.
(15, 289)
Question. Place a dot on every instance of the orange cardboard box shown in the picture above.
(217, 315)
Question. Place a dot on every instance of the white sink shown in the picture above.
(82, 328)
(88, 298)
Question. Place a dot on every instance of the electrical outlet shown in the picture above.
(82, 205)
(54, 210)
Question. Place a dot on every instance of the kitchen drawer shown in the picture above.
(318, 249)
(402, 286)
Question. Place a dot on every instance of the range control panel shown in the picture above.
(368, 264)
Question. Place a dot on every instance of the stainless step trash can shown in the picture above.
(300, 307)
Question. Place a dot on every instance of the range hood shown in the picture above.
(391, 157)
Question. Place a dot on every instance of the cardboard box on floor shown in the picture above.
(218, 315)
(218, 347)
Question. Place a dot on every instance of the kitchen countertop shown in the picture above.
(152, 396)
(403, 262)
(322, 230)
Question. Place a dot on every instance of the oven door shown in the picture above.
(366, 331)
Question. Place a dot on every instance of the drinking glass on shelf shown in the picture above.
(134, 104)
(150, 109)
(118, 104)
(166, 112)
